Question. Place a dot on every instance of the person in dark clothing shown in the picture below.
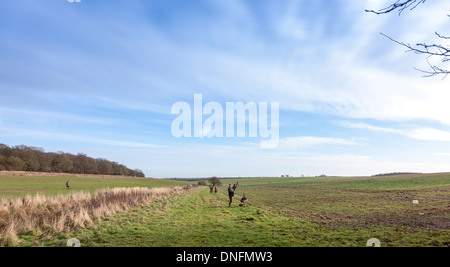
(230, 195)
(67, 185)
(211, 187)
(215, 190)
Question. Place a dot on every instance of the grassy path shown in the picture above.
(196, 219)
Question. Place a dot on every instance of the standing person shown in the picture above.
(230, 195)
(211, 187)
(67, 185)
(215, 190)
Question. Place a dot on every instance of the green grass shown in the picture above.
(283, 212)
(202, 219)
(20, 186)
(273, 181)
(400, 182)
(396, 182)
(199, 219)
(356, 202)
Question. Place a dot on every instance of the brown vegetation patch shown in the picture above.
(64, 213)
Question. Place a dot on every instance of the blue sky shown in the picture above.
(100, 77)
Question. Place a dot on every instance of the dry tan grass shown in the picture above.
(64, 213)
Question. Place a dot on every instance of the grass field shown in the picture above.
(285, 212)
(362, 202)
(21, 186)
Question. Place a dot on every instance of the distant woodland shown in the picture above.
(35, 159)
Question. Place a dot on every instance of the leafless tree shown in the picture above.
(399, 6)
(440, 51)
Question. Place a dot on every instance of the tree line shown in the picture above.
(35, 159)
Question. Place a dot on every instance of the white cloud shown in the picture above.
(229, 161)
(442, 154)
(335, 75)
(429, 134)
(338, 76)
(119, 143)
(418, 133)
(70, 138)
(365, 126)
(36, 115)
(310, 141)
(330, 61)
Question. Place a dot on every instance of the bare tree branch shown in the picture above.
(430, 51)
(440, 51)
(442, 36)
(400, 6)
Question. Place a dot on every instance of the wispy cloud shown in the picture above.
(366, 126)
(310, 141)
(442, 154)
(70, 138)
(418, 133)
(429, 134)
(30, 115)
(119, 143)
(107, 74)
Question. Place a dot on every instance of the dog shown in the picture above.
(243, 200)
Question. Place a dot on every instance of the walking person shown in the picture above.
(230, 195)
